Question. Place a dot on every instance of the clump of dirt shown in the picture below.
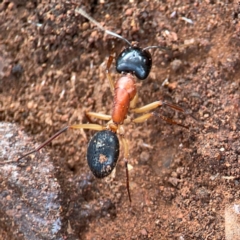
(183, 181)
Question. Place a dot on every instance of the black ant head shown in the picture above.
(135, 60)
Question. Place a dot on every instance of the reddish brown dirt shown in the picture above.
(52, 70)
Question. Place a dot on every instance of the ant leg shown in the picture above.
(109, 63)
(76, 126)
(126, 154)
(146, 116)
(99, 116)
(155, 105)
(133, 103)
(169, 120)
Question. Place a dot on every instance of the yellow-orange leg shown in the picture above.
(146, 116)
(96, 127)
(152, 106)
(133, 103)
(100, 116)
(109, 63)
(125, 158)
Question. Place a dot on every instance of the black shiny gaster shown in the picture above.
(103, 153)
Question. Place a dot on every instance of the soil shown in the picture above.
(184, 181)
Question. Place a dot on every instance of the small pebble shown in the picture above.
(176, 65)
(144, 157)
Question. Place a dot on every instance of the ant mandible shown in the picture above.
(103, 149)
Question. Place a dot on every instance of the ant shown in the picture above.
(103, 149)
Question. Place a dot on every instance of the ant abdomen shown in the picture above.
(103, 153)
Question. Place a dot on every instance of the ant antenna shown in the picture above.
(150, 47)
(83, 13)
